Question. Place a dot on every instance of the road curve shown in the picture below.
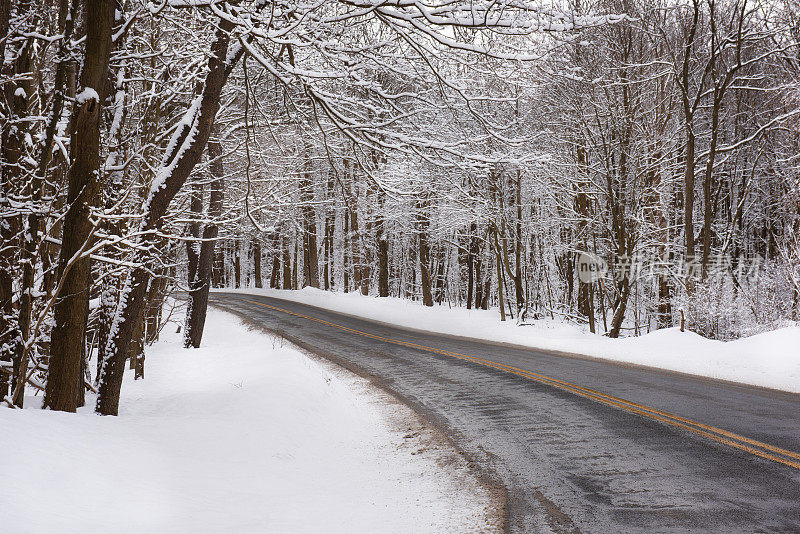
(580, 445)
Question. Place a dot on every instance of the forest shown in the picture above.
(624, 165)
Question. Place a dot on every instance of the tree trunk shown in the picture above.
(294, 265)
(218, 271)
(237, 263)
(440, 284)
(17, 179)
(330, 224)
(500, 299)
(383, 248)
(67, 340)
(424, 252)
(176, 168)
(135, 354)
(193, 245)
(193, 254)
(619, 312)
(472, 253)
(346, 252)
(198, 295)
(276, 271)
(383, 264)
(688, 205)
(257, 263)
(478, 284)
(310, 253)
(708, 178)
(287, 263)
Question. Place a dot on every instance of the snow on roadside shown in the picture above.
(770, 359)
(245, 434)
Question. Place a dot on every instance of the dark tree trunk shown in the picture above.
(287, 263)
(218, 272)
(585, 303)
(329, 227)
(383, 264)
(383, 247)
(15, 168)
(472, 253)
(257, 264)
(500, 288)
(310, 253)
(688, 200)
(478, 284)
(135, 354)
(7, 335)
(422, 223)
(68, 336)
(8, 232)
(330, 222)
(359, 278)
(619, 312)
(155, 302)
(664, 304)
(441, 281)
(294, 265)
(187, 153)
(346, 252)
(193, 254)
(237, 263)
(193, 245)
(198, 295)
(36, 182)
(584, 211)
(276, 271)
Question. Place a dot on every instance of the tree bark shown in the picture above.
(287, 263)
(257, 263)
(237, 263)
(310, 253)
(472, 253)
(218, 272)
(276, 269)
(619, 312)
(383, 264)
(383, 248)
(16, 179)
(198, 293)
(67, 340)
(8, 226)
(424, 253)
(330, 224)
(175, 170)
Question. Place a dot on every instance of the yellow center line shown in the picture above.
(717, 434)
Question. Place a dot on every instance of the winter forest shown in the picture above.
(624, 165)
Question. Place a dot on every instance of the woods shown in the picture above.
(465, 154)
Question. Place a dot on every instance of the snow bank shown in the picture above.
(243, 435)
(771, 359)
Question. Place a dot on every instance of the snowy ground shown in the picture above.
(243, 435)
(771, 359)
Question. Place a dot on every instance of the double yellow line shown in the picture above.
(764, 450)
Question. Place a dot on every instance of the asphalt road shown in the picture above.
(570, 459)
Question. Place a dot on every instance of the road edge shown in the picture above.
(484, 476)
(553, 352)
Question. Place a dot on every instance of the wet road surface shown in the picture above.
(576, 460)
